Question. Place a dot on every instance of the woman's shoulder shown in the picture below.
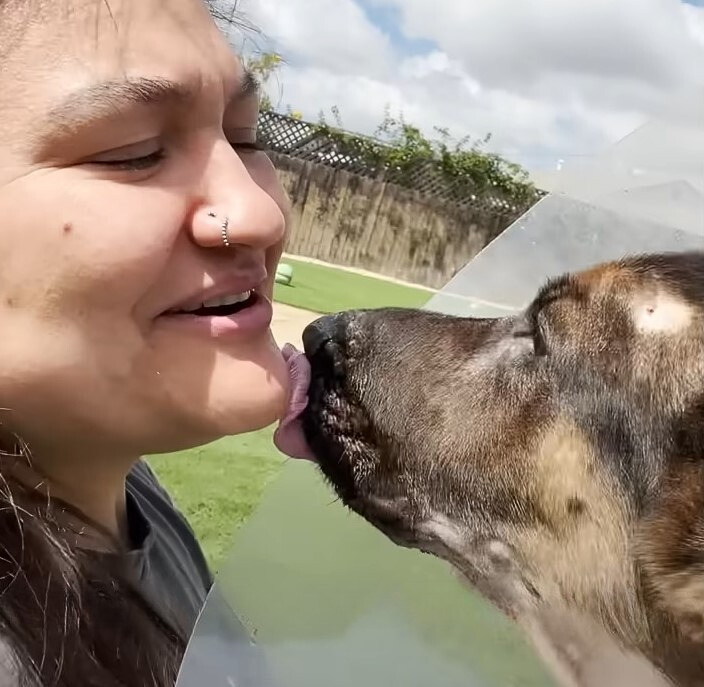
(144, 480)
(174, 555)
(166, 522)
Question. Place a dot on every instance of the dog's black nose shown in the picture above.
(321, 332)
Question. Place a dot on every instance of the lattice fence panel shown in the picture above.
(305, 141)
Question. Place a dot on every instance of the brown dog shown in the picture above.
(555, 459)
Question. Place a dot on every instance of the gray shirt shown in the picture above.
(166, 561)
(172, 573)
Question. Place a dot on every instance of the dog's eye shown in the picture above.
(533, 328)
(530, 328)
(538, 331)
(539, 344)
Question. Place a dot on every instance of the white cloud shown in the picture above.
(695, 22)
(334, 34)
(514, 44)
(549, 78)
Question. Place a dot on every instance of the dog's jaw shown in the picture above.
(334, 429)
(580, 653)
(576, 649)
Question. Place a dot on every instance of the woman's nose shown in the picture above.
(239, 213)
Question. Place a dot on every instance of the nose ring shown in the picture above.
(223, 232)
(223, 229)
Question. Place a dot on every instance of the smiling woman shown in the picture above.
(141, 228)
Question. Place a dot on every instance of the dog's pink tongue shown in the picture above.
(288, 437)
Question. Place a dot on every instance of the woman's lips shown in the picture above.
(252, 320)
(288, 437)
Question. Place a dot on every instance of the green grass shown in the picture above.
(325, 290)
(217, 486)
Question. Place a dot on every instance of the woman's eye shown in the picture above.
(130, 158)
(247, 146)
(143, 156)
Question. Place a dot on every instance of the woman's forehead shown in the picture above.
(77, 45)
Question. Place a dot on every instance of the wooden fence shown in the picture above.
(348, 214)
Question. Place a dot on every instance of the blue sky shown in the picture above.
(388, 19)
(549, 79)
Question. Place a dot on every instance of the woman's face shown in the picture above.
(126, 142)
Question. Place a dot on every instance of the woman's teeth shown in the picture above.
(226, 300)
(221, 302)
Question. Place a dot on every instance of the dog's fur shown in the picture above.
(555, 458)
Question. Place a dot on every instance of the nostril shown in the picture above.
(330, 328)
(314, 338)
(323, 343)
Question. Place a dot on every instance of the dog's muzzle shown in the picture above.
(324, 343)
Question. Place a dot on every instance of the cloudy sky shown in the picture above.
(549, 79)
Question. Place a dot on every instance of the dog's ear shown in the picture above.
(670, 550)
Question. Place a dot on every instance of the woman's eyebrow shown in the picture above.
(109, 98)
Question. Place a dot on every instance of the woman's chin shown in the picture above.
(256, 398)
(263, 412)
(237, 395)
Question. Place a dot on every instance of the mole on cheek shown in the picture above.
(68, 228)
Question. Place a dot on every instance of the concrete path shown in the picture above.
(289, 322)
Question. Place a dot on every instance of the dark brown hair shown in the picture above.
(68, 615)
